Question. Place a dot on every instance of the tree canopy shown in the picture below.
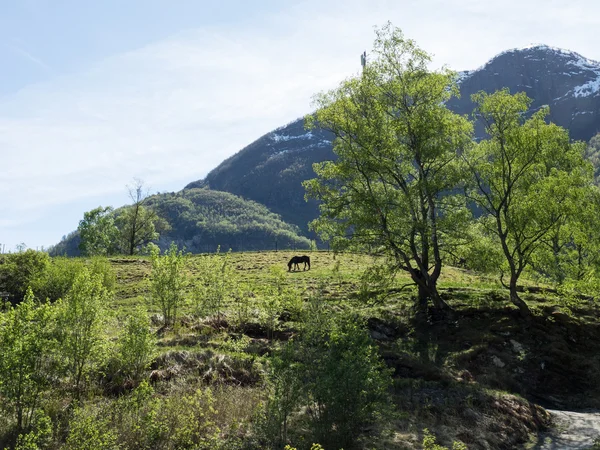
(528, 178)
(397, 147)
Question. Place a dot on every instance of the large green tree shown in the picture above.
(98, 232)
(526, 177)
(571, 251)
(397, 145)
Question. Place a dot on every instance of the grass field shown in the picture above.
(476, 379)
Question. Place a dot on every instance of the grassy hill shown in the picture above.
(202, 220)
(479, 378)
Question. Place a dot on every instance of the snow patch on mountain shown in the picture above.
(463, 75)
(588, 89)
(284, 138)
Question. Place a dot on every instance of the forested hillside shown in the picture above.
(199, 220)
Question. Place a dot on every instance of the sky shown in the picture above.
(94, 94)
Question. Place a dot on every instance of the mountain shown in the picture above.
(271, 169)
(565, 81)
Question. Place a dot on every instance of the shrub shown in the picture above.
(26, 358)
(17, 271)
(90, 430)
(217, 284)
(168, 282)
(81, 324)
(334, 373)
(429, 443)
(57, 278)
(136, 346)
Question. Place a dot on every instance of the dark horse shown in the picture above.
(298, 260)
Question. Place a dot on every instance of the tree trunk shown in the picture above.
(428, 291)
(515, 299)
(421, 304)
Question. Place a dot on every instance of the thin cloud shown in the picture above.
(22, 52)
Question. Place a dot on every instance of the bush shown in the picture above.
(136, 346)
(18, 270)
(56, 279)
(429, 443)
(26, 368)
(90, 430)
(334, 373)
(168, 282)
(217, 284)
(182, 420)
(48, 278)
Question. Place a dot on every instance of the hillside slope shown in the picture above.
(271, 169)
(201, 220)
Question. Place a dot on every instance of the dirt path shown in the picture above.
(573, 431)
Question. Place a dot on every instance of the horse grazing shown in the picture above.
(296, 260)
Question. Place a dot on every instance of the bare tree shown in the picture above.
(137, 222)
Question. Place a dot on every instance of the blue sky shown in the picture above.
(95, 93)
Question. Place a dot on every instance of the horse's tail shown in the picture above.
(308, 261)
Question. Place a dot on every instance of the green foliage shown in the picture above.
(528, 177)
(375, 281)
(242, 302)
(312, 447)
(137, 224)
(592, 154)
(88, 430)
(429, 443)
(18, 270)
(137, 228)
(168, 282)
(26, 368)
(571, 251)
(57, 278)
(49, 278)
(136, 345)
(144, 420)
(334, 372)
(479, 249)
(40, 435)
(189, 420)
(216, 283)
(397, 150)
(98, 233)
(82, 316)
(101, 266)
(203, 219)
